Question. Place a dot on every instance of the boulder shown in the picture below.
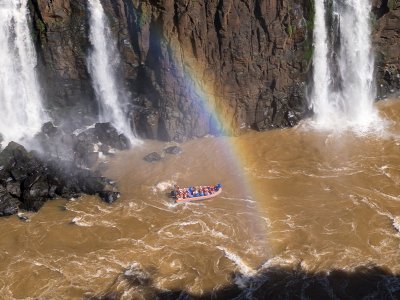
(173, 150)
(8, 204)
(28, 181)
(14, 188)
(49, 129)
(108, 135)
(109, 196)
(153, 157)
(23, 218)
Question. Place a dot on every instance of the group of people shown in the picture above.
(196, 191)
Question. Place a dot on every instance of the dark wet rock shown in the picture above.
(386, 39)
(49, 129)
(62, 207)
(109, 196)
(8, 204)
(23, 218)
(91, 159)
(89, 135)
(173, 150)
(103, 137)
(14, 188)
(153, 157)
(108, 135)
(86, 153)
(137, 276)
(27, 180)
(55, 142)
(124, 142)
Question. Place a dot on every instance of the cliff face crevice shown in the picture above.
(386, 39)
(181, 60)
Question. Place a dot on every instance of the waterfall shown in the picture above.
(103, 63)
(21, 111)
(343, 65)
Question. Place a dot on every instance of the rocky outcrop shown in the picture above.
(246, 60)
(59, 169)
(27, 180)
(153, 157)
(387, 39)
(83, 146)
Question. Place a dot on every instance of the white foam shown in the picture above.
(238, 261)
(396, 223)
(79, 221)
(80, 130)
(218, 234)
(164, 185)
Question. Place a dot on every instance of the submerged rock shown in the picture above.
(173, 150)
(136, 275)
(153, 157)
(23, 218)
(109, 196)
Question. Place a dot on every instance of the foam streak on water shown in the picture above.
(343, 85)
(103, 63)
(21, 111)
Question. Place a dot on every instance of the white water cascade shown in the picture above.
(21, 111)
(103, 62)
(343, 64)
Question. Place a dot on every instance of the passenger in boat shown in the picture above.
(205, 191)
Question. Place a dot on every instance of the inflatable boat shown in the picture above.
(192, 197)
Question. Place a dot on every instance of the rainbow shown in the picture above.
(202, 90)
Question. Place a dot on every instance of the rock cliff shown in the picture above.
(386, 39)
(248, 60)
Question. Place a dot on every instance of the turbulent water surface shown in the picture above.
(297, 200)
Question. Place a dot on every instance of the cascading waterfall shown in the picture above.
(343, 64)
(103, 62)
(21, 111)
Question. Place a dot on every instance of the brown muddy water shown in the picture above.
(295, 199)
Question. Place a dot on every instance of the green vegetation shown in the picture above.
(291, 29)
(40, 26)
(310, 18)
(310, 14)
(309, 52)
(373, 21)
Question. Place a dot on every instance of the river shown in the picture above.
(300, 200)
